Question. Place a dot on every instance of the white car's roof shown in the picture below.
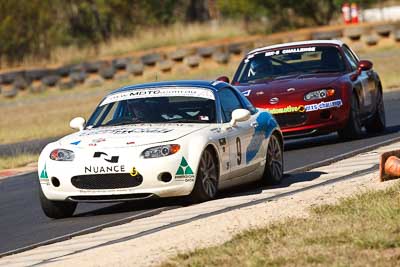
(310, 42)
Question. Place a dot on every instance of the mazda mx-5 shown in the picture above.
(187, 138)
(314, 87)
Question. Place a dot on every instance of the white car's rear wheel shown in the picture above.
(273, 172)
(206, 185)
(56, 209)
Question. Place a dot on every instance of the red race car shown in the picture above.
(313, 87)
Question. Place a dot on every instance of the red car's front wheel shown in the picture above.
(353, 128)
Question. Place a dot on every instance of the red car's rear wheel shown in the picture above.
(377, 123)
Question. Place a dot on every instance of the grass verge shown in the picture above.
(144, 39)
(363, 230)
(17, 161)
(385, 63)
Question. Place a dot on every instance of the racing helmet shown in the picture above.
(261, 65)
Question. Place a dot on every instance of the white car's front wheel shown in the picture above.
(273, 172)
(206, 185)
(56, 209)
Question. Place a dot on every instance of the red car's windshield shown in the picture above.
(288, 61)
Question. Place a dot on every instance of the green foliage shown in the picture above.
(320, 12)
(286, 14)
(241, 8)
(27, 27)
(34, 27)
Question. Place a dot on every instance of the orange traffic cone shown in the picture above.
(390, 165)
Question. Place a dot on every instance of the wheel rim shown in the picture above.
(208, 172)
(275, 158)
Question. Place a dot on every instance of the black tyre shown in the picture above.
(94, 66)
(179, 54)
(206, 51)
(273, 171)
(63, 71)
(66, 85)
(327, 35)
(121, 63)
(236, 48)
(21, 83)
(107, 71)
(353, 128)
(78, 76)
(50, 80)
(165, 65)
(9, 77)
(377, 124)
(221, 57)
(56, 209)
(206, 185)
(151, 59)
(135, 68)
(37, 74)
(192, 61)
(9, 93)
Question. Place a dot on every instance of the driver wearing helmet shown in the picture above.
(260, 67)
(140, 110)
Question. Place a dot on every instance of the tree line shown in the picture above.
(34, 27)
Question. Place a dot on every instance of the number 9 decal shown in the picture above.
(239, 151)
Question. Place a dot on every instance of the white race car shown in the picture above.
(186, 138)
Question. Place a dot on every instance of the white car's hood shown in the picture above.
(129, 135)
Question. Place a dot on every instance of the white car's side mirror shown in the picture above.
(77, 123)
(239, 115)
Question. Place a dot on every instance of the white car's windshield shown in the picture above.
(155, 106)
(289, 61)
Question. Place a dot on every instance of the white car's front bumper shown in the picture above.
(96, 189)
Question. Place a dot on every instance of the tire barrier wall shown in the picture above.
(95, 73)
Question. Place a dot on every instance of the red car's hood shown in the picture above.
(290, 90)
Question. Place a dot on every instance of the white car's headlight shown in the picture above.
(160, 151)
(62, 155)
(319, 94)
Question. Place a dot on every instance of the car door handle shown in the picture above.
(254, 124)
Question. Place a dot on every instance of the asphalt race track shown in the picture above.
(23, 224)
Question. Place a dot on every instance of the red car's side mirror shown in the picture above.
(223, 79)
(364, 65)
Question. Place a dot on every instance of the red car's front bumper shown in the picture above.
(313, 122)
